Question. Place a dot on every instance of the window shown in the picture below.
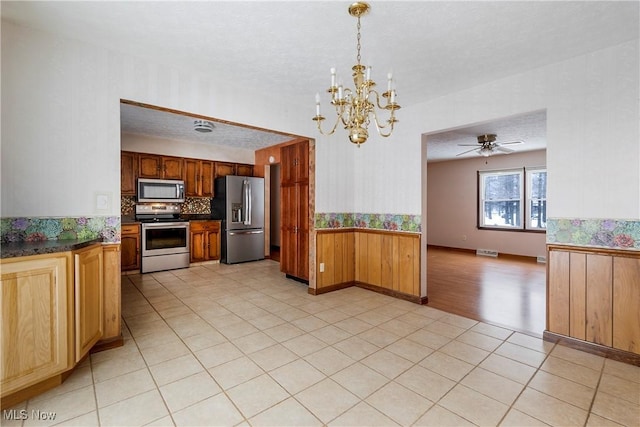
(536, 199)
(513, 199)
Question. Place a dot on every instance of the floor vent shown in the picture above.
(541, 259)
(487, 252)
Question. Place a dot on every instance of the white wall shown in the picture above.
(452, 200)
(61, 131)
(593, 153)
(171, 147)
(61, 118)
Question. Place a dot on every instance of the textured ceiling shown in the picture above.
(287, 48)
(530, 129)
(168, 125)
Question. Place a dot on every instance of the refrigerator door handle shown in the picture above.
(236, 233)
(247, 202)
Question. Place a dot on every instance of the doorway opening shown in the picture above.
(506, 290)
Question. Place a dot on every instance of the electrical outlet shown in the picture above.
(322, 267)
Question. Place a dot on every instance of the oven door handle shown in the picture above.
(166, 225)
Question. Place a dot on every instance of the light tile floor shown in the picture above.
(242, 345)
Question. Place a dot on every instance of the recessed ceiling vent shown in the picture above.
(203, 126)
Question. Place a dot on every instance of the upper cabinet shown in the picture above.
(163, 167)
(128, 173)
(226, 168)
(295, 163)
(198, 174)
(198, 178)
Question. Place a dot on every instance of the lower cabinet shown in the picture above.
(37, 316)
(89, 291)
(52, 315)
(130, 242)
(205, 240)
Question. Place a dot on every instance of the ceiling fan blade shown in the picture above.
(512, 142)
(465, 152)
(504, 149)
(467, 145)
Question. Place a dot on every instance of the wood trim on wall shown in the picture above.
(383, 261)
(593, 296)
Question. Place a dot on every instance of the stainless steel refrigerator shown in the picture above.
(239, 202)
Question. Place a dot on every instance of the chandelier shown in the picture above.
(356, 108)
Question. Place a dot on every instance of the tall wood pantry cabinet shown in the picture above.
(294, 208)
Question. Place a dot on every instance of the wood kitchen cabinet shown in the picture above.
(227, 168)
(37, 319)
(205, 240)
(128, 173)
(198, 178)
(89, 291)
(156, 166)
(244, 170)
(130, 244)
(294, 210)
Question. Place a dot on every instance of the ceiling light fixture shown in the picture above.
(354, 108)
(203, 126)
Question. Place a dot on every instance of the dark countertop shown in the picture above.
(18, 249)
(198, 217)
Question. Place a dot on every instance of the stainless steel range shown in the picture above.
(165, 237)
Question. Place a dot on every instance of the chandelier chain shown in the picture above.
(358, 45)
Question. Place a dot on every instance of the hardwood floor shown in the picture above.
(508, 292)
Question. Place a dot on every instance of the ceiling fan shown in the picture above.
(488, 146)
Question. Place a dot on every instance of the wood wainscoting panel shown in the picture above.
(593, 295)
(380, 260)
(599, 314)
(626, 304)
(374, 259)
(558, 301)
(336, 253)
(578, 295)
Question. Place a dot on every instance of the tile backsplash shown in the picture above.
(191, 206)
(21, 229)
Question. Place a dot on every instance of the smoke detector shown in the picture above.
(203, 126)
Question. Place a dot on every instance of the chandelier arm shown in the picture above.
(388, 124)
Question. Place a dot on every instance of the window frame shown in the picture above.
(524, 200)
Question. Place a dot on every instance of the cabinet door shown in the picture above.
(302, 195)
(288, 243)
(206, 179)
(192, 177)
(128, 173)
(244, 170)
(89, 325)
(213, 245)
(149, 166)
(171, 167)
(130, 244)
(198, 246)
(224, 169)
(35, 320)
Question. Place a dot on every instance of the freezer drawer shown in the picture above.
(242, 246)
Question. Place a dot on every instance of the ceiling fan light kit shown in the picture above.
(356, 108)
(488, 145)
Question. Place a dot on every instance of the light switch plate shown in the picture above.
(103, 202)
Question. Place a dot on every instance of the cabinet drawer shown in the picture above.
(130, 229)
(205, 226)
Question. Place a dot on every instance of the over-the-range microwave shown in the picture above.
(160, 190)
